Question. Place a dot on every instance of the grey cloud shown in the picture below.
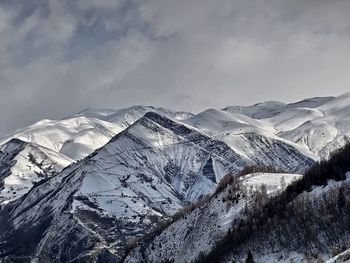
(60, 56)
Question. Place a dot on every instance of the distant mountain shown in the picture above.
(126, 117)
(272, 108)
(327, 129)
(319, 125)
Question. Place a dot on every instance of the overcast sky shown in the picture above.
(58, 57)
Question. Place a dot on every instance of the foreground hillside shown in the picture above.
(307, 222)
(197, 229)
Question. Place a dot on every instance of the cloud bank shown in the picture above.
(60, 56)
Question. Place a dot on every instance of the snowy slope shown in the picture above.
(129, 115)
(319, 125)
(26, 164)
(8, 153)
(258, 111)
(74, 132)
(239, 131)
(325, 129)
(80, 135)
(216, 120)
(272, 108)
(293, 118)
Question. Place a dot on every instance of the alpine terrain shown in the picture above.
(267, 182)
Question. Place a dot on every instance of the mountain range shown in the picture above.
(141, 184)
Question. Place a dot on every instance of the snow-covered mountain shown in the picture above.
(89, 187)
(77, 136)
(143, 175)
(238, 131)
(319, 125)
(327, 128)
(54, 144)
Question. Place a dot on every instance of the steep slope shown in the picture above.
(8, 153)
(95, 208)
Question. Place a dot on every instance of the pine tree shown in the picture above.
(249, 257)
(341, 198)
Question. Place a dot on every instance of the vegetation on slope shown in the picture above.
(292, 221)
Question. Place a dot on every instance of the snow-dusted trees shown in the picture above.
(295, 220)
(283, 183)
